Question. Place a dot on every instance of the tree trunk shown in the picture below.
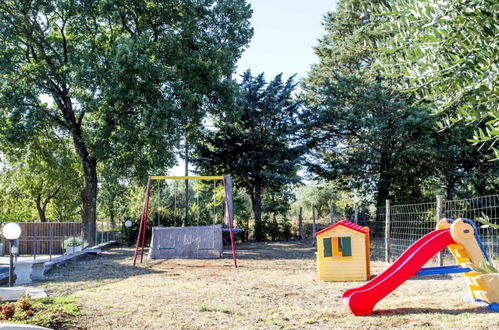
(89, 165)
(88, 162)
(89, 199)
(384, 180)
(40, 209)
(450, 190)
(256, 200)
(451, 184)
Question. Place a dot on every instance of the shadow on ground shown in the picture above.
(273, 250)
(96, 270)
(421, 310)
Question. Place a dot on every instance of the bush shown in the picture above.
(24, 302)
(286, 229)
(70, 242)
(8, 311)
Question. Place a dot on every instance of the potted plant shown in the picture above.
(72, 245)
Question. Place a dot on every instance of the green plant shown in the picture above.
(485, 268)
(486, 221)
(286, 229)
(24, 302)
(73, 241)
(8, 311)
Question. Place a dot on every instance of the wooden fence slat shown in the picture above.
(26, 240)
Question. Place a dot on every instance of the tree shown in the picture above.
(44, 172)
(446, 52)
(358, 128)
(256, 144)
(115, 76)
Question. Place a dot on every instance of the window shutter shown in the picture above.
(328, 251)
(346, 246)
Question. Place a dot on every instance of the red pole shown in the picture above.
(143, 219)
(144, 228)
(229, 220)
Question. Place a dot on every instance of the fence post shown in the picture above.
(313, 225)
(388, 252)
(439, 216)
(35, 247)
(82, 237)
(300, 225)
(63, 237)
(331, 215)
(88, 232)
(74, 237)
(51, 246)
(356, 212)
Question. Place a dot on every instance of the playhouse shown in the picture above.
(343, 252)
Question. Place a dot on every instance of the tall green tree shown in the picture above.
(256, 144)
(115, 76)
(358, 128)
(446, 52)
(44, 173)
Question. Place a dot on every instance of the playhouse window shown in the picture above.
(337, 247)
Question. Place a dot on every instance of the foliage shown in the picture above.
(43, 176)
(70, 242)
(115, 76)
(24, 302)
(113, 199)
(359, 130)
(321, 196)
(446, 52)
(485, 219)
(485, 268)
(256, 143)
(58, 312)
(8, 311)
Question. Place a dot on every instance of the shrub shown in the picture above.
(72, 241)
(24, 302)
(8, 311)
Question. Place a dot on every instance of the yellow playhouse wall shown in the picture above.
(343, 268)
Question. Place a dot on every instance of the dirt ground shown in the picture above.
(274, 287)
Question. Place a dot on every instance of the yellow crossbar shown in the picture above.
(214, 177)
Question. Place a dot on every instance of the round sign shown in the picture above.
(128, 223)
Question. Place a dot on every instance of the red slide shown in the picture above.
(361, 300)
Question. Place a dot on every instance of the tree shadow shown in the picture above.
(423, 310)
(95, 270)
(273, 250)
(430, 277)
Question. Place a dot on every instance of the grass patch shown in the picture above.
(55, 313)
(206, 308)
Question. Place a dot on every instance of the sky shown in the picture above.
(285, 32)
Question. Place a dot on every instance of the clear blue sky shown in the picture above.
(285, 32)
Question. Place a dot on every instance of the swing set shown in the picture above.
(229, 210)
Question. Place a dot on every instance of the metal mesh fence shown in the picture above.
(411, 222)
(486, 207)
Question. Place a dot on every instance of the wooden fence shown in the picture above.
(48, 237)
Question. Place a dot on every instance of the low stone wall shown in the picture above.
(203, 242)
